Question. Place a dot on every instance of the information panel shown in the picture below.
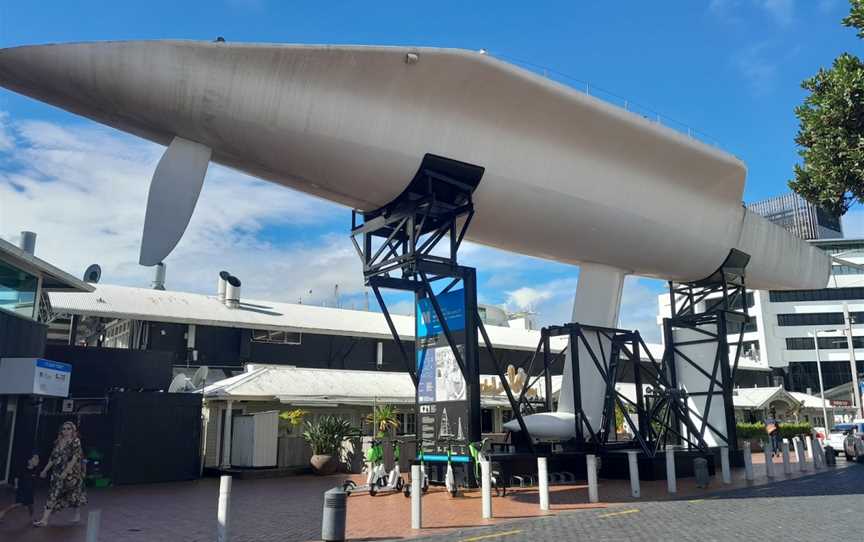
(442, 394)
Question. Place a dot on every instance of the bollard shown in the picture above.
(671, 483)
(486, 488)
(818, 455)
(830, 456)
(724, 464)
(223, 513)
(591, 466)
(748, 462)
(700, 472)
(787, 466)
(799, 449)
(94, 522)
(543, 483)
(769, 462)
(634, 473)
(416, 493)
(333, 519)
(809, 450)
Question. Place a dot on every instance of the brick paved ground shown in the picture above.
(289, 509)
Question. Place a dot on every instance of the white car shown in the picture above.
(853, 442)
(837, 436)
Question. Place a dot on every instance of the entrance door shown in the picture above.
(8, 409)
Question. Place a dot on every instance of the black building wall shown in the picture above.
(21, 337)
(95, 371)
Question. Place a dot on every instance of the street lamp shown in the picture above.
(848, 321)
(821, 384)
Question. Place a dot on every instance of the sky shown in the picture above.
(729, 70)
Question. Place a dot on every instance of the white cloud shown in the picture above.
(782, 12)
(83, 190)
(526, 298)
(758, 67)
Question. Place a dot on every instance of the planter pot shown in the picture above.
(323, 464)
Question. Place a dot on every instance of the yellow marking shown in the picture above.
(696, 500)
(623, 512)
(494, 535)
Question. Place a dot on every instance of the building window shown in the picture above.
(749, 327)
(407, 423)
(825, 343)
(826, 294)
(17, 291)
(817, 319)
(846, 270)
(713, 303)
(270, 336)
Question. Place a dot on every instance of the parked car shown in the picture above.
(837, 436)
(853, 443)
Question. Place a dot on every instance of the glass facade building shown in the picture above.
(800, 217)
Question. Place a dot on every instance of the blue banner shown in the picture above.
(452, 306)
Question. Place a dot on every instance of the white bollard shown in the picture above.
(769, 462)
(809, 450)
(591, 466)
(818, 455)
(416, 494)
(94, 522)
(799, 449)
(223, 513)
(634, 473)
(671, 481)
(748, 462)
(486, 488)
(543, 483)
(724, 465)
(787, 466)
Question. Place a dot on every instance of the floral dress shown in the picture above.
(66, 491)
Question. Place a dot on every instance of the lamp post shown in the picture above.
(856, 399)
(821, 384)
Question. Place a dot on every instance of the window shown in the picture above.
(817, 319)
(276, 337)
(846, 270)
(825, 343)
(827, 294)
(407, 423)
(735, 327)
(712, 304)
(17, 291)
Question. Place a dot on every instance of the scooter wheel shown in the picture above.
(399, 484)
(348, 486)
(373, 490)
(407, 491)
(453, 492)
(426, 488)
(382, 482)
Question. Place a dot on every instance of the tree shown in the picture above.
(384, 419)
(831, 131)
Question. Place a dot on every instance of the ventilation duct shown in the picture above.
(159, 277)
(222, 284)
(28, 242)
(232, 292)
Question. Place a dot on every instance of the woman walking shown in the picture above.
(66, 487)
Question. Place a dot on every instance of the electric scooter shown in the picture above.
(424, 485)
(378, 479)
(478, 454)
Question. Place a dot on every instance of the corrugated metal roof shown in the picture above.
(182, 307)
(53, 278)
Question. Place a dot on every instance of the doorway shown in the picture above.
(8, 412)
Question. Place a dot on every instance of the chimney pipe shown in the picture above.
(28, 242)
(159, 277)
(232, 292)
(221, 285)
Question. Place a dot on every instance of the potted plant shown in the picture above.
(326, 436)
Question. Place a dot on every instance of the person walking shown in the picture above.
(66, 486)
(24, 488)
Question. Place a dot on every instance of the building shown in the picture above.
(799, 217)
(25, 281)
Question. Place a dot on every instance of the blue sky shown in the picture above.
(730, 69)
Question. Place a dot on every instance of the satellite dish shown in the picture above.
(180, 383)
(200, 377)
(93, 274)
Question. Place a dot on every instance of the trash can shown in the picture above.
(333, 519)
(700, 470)
(830, 456)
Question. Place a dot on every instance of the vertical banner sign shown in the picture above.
(442, 393)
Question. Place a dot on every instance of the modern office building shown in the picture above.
(799, 217)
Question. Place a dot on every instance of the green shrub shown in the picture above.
(755, 431)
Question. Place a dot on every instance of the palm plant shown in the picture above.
(326, 435)
(384, 419)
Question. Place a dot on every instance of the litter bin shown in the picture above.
(333, 519)
(700, 470)
(830, 456)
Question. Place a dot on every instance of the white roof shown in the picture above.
(126, 302)
(810, 401)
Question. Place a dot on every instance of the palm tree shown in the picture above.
(384, 419)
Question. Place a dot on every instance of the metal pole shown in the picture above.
(799, 449)
(724, 463)
(486, 488)
(223, 514)
(748, 462)
(821, 385)
(634, 473)
(543, 483)
(787, 466)
(94, 521)
(416, 492)
(853, 364)
(591, 466)
(769, 462)
(671, 482)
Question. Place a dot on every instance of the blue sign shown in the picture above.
(55, 365)
(452, 306)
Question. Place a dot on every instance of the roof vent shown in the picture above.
(28, 242)
(221, 284)
(232, 292)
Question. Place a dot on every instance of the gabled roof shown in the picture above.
(761, 398)
(53, 278)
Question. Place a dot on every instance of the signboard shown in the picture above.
(442, 393)
(841, 402)
(34, 376)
